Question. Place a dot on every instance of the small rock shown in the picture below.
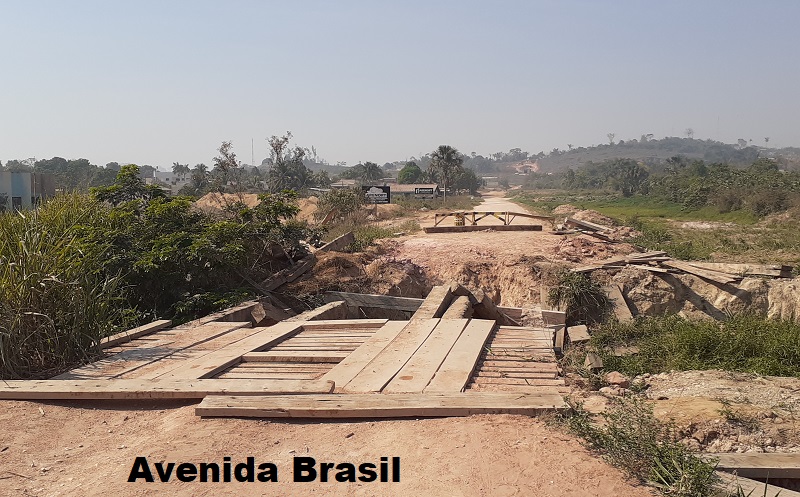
(610, 391)
(618, 379)
(349, 435)
(120, 446)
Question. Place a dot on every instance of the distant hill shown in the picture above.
(651, 152)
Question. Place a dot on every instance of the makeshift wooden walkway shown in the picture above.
(441, 362)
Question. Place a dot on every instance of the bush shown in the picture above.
(56, 302)
(584, 300)
(632, 439)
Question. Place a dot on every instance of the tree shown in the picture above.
(689, 133)
(610, 137)
(411, 173)
(467, 180)
(18, 166)
(372, 172)
(445, 164)
(113, 166)
(128, 187)
(287, 172)
(226, 167)
(766, 141)
(179, 169)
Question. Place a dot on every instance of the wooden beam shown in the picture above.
(465, 229)
(730, 484)
(621, 309)
(553, 318)
(338, 244)
(456, 369)
(764, 465)
(379, 406)
(435, 303)
(415, 375)
(577, 223)
(385, 365)
(152, 389)
(375, 301)
(459, 309)
(486, 309)
(332, 310)
(350, 366)
(127, 336)
(289, 274)
(707, 274)
(773, 270)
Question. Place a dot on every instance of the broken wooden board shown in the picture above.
(289, 274)
(577, 223)
(578, 334)
(152, 389)
(621, 309)
(774, 270)
(461, 307)
(706, 274)
(338, 244)
(415, 375)
(379, 406)
(760, 465)
(456, 369)
(553, 318)
(127, 336)
(485, 308)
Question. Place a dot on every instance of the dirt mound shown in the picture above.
(308, 207)
(565, 210)
(593, 217)
(579, 248)
(363, 273)
(218, 203)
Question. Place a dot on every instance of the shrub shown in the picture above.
(583, 299)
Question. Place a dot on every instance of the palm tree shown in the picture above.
(371, 172)
(445, 164)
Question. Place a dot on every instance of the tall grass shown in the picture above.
(55, 302)
(745, 343)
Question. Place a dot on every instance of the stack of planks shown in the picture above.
(716, 272)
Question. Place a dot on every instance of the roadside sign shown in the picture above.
(423, 191)
(377, 194)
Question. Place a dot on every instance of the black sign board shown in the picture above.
(377, 194)
(423, 191)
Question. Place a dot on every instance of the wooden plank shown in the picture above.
(467, 229)
(435, 303)
(621, 310)
(593, 361)
(585, 225)
(149, 352)
(127, 336)
(534, 382)
(333, 310)
(152, 389)
(290, 356)
(344, 324)
(385, 365)
(460, 308)
(578, 334)
(225, 357)
(764, 465)
(529, 375)
(420, 369)
(715, 276)
(289, 274)
(375, 301)
(338, 244)
(379, 406)
(560, 339)
(350, 366)
(268, 375)
(455, 371)
(551, 318)
(774, 270)
(729, 484)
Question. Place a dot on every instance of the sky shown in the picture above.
(155, 82)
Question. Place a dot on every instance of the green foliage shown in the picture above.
(446, 164)
(345, 201)
(56, 299)
(411, 173)
(584, 300)
(366, 172)
(632, 439)
(745, 343)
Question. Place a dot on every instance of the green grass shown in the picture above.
(744, 343)
(630, 437)
(621, 208)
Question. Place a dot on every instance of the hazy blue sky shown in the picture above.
(153, 82)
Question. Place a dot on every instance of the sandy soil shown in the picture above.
(89, 449)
